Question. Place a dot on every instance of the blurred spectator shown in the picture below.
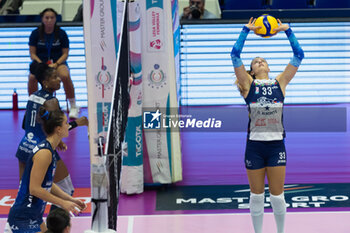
(8, 7)
(79, 15)
(196, 10)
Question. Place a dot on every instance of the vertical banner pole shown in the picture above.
(132, 170)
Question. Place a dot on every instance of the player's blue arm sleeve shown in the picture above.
(297, 50)
(238, 46)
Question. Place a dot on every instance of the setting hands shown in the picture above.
(281, 26)
(251, 25)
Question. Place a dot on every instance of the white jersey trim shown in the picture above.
(37, 99)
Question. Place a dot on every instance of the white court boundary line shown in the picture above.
(222, 214)
(131, 217)
(130, 224)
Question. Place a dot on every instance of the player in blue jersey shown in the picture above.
(50, 82)
(265, 150)
(37, 187)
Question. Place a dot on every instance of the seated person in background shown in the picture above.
(196, 10)
(58, 221)
(79, 15)
(8, 7)
(49, 44)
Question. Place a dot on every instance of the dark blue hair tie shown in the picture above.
(45, 115)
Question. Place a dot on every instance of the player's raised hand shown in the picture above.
(281, 26)
(251, 25)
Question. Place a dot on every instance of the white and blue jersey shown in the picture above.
(265, 105)
(26, 214)
(33, 128)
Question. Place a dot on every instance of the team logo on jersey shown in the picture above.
(30, 137)
(248, 163)
(33, 224)
(14, 228)
(263, 82)
(265, 101)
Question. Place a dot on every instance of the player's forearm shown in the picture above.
(57, 191)
(62, 59)
(238, 46)
(44, 195)
(298, 53)
(34, 57)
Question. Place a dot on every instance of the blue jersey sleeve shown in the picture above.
(64, 39)
(33, 39)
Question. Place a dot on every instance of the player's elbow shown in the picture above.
(33, 190)
(300, 54)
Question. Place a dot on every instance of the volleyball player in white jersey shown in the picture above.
(265, 151)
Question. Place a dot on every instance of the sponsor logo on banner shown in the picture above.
(151, 120)
(155, 25)
(102, 19)
(157, 78)
(237, 197)
(133, 146)
(103, 78)
(138, 133)
(156, 44)
(103, 110)
(139, 98)
(103, 45)
(158, 120)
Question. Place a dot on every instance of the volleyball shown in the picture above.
(267, 23)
